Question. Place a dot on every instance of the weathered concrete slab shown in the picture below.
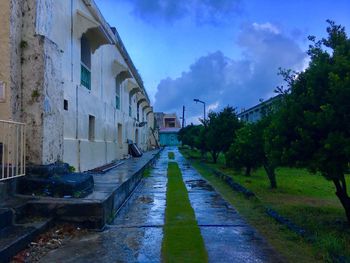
(121, 245)
(137, 232)
(110, 191)
(227, 236)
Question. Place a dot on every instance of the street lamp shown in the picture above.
(197, 100)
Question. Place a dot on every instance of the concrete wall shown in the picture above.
(40, 68)
(42, 89)
(62, 28)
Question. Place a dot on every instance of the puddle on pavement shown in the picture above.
(199, 184)
(145, 199)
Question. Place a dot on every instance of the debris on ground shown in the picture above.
(50, 240)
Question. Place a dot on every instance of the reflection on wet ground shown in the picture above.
(136, 233)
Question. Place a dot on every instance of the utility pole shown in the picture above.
(183, 116)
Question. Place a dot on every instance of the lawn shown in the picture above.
(182, 240)
(307, 199)
(171, 155)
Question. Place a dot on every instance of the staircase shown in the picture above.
(17, 230)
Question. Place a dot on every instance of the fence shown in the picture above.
(12, 150)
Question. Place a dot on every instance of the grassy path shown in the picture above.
(182, 241)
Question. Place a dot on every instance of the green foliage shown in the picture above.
(219, 131)
(77, 194)
(35, 94)
(190, 135)
(314, 208)
(313, 126)
(23, 44)
(246, 151)
(171, 155)
(182, 240)
(71, 169)
(147, 172)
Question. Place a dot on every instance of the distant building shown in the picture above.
(256, 112)
(168, 126)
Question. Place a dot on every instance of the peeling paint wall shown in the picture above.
(41, 65)
(61, 27)
(42, 90)
(15, 58)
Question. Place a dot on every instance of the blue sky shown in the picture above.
(225, 52)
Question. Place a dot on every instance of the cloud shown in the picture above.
(202, 11)
(220, 81)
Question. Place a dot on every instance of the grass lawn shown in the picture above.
(171, 155)
(308, 200)
(182, 240)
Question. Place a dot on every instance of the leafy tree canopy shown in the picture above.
(313, 126)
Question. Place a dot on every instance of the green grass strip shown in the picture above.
(171, 155)
(182, 240)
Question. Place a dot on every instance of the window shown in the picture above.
(138, 112)
(91, 128)
(65, 104)
(85, 51)
(130, 100)
(120, 135)
(117, 96)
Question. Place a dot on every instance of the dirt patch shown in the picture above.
(50, 240)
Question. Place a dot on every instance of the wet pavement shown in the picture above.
(136, 233)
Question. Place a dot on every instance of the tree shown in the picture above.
(188, 135)
(219, 131)
(313, 126)
(251, 148)
(246, 151)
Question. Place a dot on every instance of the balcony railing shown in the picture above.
(12, 150)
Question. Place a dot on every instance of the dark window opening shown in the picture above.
(91, 128)
(65, 104)
(85, 51)
(130, 100)
(117, 96)
(120, 134)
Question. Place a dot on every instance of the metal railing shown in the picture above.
(12, 150)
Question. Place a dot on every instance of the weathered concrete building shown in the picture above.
(168, 127)
(66, 74)
(256, 112)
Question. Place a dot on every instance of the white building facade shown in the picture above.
(69, 77)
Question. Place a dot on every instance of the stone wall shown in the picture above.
(42, 92)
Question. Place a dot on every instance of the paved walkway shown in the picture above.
(136, 234)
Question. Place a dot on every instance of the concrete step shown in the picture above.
(16, 237)
(3, 191)
(6, 218)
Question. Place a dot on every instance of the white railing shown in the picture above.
(12, 150)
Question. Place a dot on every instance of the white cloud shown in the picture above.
(214, 106)
(221, 81)
(267, 26)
